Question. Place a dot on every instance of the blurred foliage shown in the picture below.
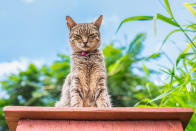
(127, 88)
(179, 89)
(34, 86)
(41, 86)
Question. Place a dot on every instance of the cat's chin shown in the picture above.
(86, 49)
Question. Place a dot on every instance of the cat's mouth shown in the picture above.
(85, 48)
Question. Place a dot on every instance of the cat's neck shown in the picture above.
(84, 53)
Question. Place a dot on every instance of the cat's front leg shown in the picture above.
(76, 93)
(102, 97)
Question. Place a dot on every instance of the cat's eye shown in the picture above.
(77, 36)
(92, 35)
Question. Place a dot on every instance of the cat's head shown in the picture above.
(84, 36)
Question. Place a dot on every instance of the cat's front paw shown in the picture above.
(76, 103)
(59, 104)
(101, 104)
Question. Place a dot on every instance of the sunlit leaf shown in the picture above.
(189, 74)
(167, 20)
(188, 47)
(168, 7)
(190, 8)
(182, 56)
(155, 55)
(192, 26)
(194, 38)
(146, 70)
(193, 4)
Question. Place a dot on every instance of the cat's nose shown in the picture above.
(85, 43)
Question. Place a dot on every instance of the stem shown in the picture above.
(169, 59)
(185, 33)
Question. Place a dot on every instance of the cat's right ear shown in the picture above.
(70, 22)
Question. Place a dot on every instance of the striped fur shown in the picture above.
(86, 85)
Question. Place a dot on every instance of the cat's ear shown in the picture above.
(70, 22)
(98, 21)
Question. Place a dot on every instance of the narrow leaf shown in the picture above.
(138, 39)
(163, 95)
(188, 47)
(194, 38)
(170, 33)
(146, 70)
(167, 20)
(168, 8)
(144, 18)
(182, 56)
(153, 56)
(190, 8)
(192, 26)
(135, 18)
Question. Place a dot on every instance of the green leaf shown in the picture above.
(172, 76)
(192, 26)
(163, 95)
(170, 33)
(188, 47)
(119, 65)
(168, 8)
(182, 56)
(190, 8)
(145, 18)
(194, 38)
(165, 72)
(148, 88)
(193, 4)
(155, 55)
(188, 76)
(134, 18)
(137, 40)
(146, 101)
(167, 20)
(146, 70)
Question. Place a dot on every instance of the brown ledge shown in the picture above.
(15, 113)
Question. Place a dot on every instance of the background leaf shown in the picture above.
(168, 8)
(190, 8)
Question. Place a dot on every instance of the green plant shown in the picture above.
(179, 91)
(126, 87)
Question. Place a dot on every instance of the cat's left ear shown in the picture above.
(98, 21)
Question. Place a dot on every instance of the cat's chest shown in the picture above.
(87, 62)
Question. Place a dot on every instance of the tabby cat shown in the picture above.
(85, 86)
